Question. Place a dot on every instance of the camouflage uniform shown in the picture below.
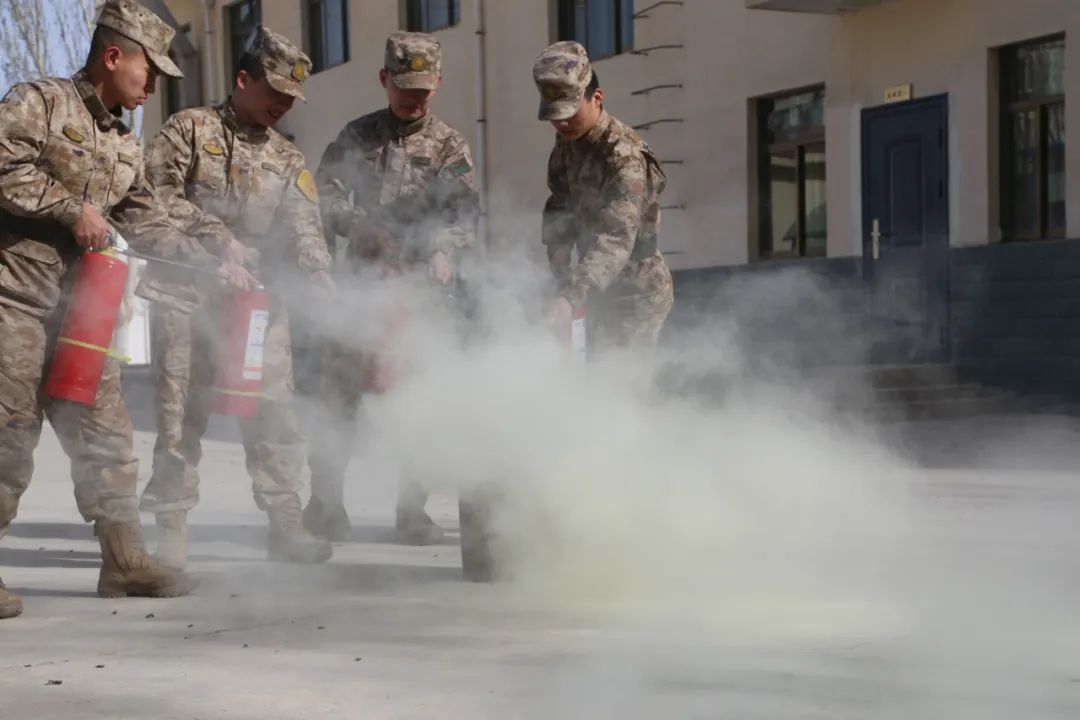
(60, 147)
(248, 183)
(413, 182)
(605, 201)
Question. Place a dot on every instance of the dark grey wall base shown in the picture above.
(1014, 313)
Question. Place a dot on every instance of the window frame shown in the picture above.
(1008, 109)
(237, 41)
(622, 23)
(315, 17)
(414, 16)
(794, 147)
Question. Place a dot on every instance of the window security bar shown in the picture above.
(644, 12)
(661, 121)
(664, 86)
(654, 48)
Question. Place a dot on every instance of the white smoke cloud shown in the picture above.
(759, 516)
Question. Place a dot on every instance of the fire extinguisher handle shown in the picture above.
(117, 243)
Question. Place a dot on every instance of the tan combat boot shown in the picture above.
(172, 548)
(10, 603)
(327, 521)
(128, 570)
(289, 541)
(415, 527)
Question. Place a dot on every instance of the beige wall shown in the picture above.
(735, 54)
(944, 46)
(730, 55)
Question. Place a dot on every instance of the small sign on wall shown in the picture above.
(898, 93)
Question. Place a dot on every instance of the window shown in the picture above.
(791, 175)
(327, 32)
(1033, 140)
(432, 15)
(244, 18)
(604, 27)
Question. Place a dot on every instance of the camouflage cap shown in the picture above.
(137, 23)
(562, 73)
(286, 67)
(414, 60)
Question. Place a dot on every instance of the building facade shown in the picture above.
(915, 151)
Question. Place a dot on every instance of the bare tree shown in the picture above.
(45, 38)
(41, 38)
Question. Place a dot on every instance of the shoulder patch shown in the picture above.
(73, 135)
(460, 168)
(213, 149)
(125, 158)
(306, 184)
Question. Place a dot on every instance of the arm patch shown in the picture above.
(306, 184)
(460, 168)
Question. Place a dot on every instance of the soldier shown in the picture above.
(67, 163)
(605, 187)
(415, 204)
(245, 187)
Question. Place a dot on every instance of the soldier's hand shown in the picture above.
(441, 268)
(236, 276)
(324, 285)
(91, 230)
(236, 253)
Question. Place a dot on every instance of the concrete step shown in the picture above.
(886, 393)
(908, 392)
(930, 393)
(898, 376)
(886, 376)
(989, 404)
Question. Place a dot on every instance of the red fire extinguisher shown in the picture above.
(83, 344)
(244, 323)
(381, 366)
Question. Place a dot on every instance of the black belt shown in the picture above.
(46, 232)
(644, 248)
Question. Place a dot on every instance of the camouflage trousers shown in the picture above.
(97, 438)
(184, 348)
(632, 311)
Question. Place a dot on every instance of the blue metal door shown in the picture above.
(906, 228)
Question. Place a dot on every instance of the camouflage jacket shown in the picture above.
(60, 147)
(605, 200)
(227, 181)
(414, 180)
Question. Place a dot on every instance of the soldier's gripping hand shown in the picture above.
(238, 253)
(91, 230)
(233, 275)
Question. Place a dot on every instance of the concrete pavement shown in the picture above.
(385, 631)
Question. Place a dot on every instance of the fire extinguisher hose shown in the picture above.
(118, 246)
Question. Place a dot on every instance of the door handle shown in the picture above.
(875, 239)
